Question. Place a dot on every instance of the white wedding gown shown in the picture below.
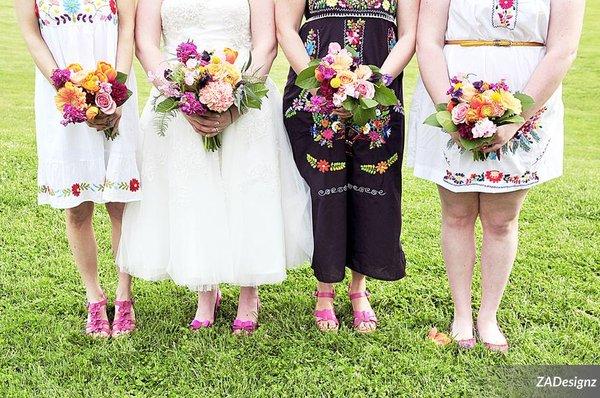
(240, 215)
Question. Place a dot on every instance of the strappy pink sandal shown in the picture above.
(124, 322)
(96, 326)
(198, 324)
(239, 327)
(327, 314)
(362, 316)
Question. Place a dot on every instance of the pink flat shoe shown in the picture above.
(96, 326)
(327, 314)
(240, 327)
(499, 348)
(198, 324)
(124, 322)
(361, 317)
(465, 344)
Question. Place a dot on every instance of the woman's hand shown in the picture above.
(213, 123)
(104, 122)
(504, 134)
(456, 138)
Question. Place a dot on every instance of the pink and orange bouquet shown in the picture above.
(83, 95)
(341, 81)
(201, 81)
(476, 110)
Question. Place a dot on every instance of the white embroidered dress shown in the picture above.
(240, 215)
(76, 163)
(532, 157)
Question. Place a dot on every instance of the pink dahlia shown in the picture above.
(217, 96)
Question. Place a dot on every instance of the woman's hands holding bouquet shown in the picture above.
(103, 122)
(212, 123)
(504, 134)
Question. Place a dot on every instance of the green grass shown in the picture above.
(550, 311)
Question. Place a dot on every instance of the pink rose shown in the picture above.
(365, 89)
(484, 128)
(459, 113)
(105, 102)
(334, 48)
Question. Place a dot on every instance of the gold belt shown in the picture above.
(494, 43)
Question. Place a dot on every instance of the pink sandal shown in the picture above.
(240, 327)
(326, 315)
(362, 316)
(124, 322)
(197, 324)
(499, 348)
(96, 326)
(465, 344)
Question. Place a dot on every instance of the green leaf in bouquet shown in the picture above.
(349, 104)
(306, 79)
(511, 119)
(374, 69)
(526, 101)
(352, 51)
(121, 77)
(385, 95)
(444, 118)
(167, 105)
(362, 116)
(472, 145)
(432, 121)
(129, 93)
(253, 95)
(441, 107)
(367, 103)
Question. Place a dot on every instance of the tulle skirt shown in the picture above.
(240, 215)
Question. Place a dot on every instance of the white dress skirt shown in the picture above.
(240, 215)
(530, 158)
(77, 163)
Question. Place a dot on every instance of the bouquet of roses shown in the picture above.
(341, 80)
(201, 81)
(83, 95)
(476, 110)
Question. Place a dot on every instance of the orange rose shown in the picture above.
(75, 68)
(107, 69)
(472, 115)
(450, 106)
(91, 83)
(318, 75)
(230, 55)
(92, 112)
(101, 76)
(476, 102)
(486, 110)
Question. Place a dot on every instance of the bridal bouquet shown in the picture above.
(476, 110)
(341, 80)
(83, 95)
(201, 81)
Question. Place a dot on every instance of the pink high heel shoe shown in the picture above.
(96, 326)
(327, 314)
(239, 327)
(198, 324)
(362, 316)
(124, 322)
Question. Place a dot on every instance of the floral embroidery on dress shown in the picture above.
(376, 131)
(76, 189)
(384, 5)
(326, 128)
(353, 35)
(391, 39)
(60, 12)
(504, 14)
(323, 165)
(494, 177)
(380, 167)
(312, 43)
(355, 188)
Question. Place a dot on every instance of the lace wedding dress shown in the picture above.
(240, 215)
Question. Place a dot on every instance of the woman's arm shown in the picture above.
(148, 29)
(403, 51)
(125, 42)
(28, 22)
(288, 15)
(564, 32)
(431, 32)
(264, 41)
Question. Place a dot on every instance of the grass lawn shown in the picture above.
(550, 312)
